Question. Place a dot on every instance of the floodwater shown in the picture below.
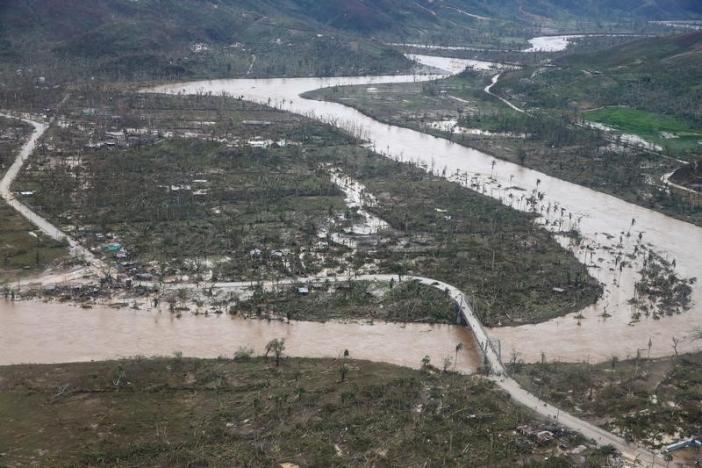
(454, 65)
(557, 43)
(561, 43)
(35, 332)
(604, 221)
(453, 127)
(440, 47)
(551, 43)
(357, 197)
(627, 138)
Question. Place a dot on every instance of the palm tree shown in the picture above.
(459, 347)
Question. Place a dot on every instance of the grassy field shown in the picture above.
(651, 401)
(401, 302)
(178, 412)
(638, 122)
(645, 87)
(23, 250)
(682, 137)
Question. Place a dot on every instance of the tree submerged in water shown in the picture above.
(660, 291)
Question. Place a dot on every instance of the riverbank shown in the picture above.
(176, 411)
(650, 401)
(603, 220)
(47, 333)
(463, 110)
(230, 190)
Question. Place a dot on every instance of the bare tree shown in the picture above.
(676, 341)
(343, 368)
(276, 346)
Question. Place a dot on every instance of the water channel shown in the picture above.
(38, 332)
(605, 222)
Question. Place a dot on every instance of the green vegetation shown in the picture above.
(407, 301)
(222, 205)
(549, 140)
(669, 132)
(654, 401)
(244, 207)
(23, 250)
(636, 121)
(177, 39)
(181, 412)
(509, 267)
(647, 86)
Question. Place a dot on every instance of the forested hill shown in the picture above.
(175, 39)
(646, 54)
(661, 74)
(647, 81)
(611, 10)
(394, 15)
(210, 38)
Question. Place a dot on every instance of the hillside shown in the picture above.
(646, 54)
(175, 39)
(613, 10)
(165, 39)
(391, 16)
(657, 78)
(660, 75)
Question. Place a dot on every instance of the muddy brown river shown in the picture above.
(603, 220)
(34, 332)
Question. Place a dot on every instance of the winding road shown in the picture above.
(610, 228)
(488, 90)
(601, 437)
(518, 394)
(41, 223)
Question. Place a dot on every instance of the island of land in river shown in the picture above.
(223, 190)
